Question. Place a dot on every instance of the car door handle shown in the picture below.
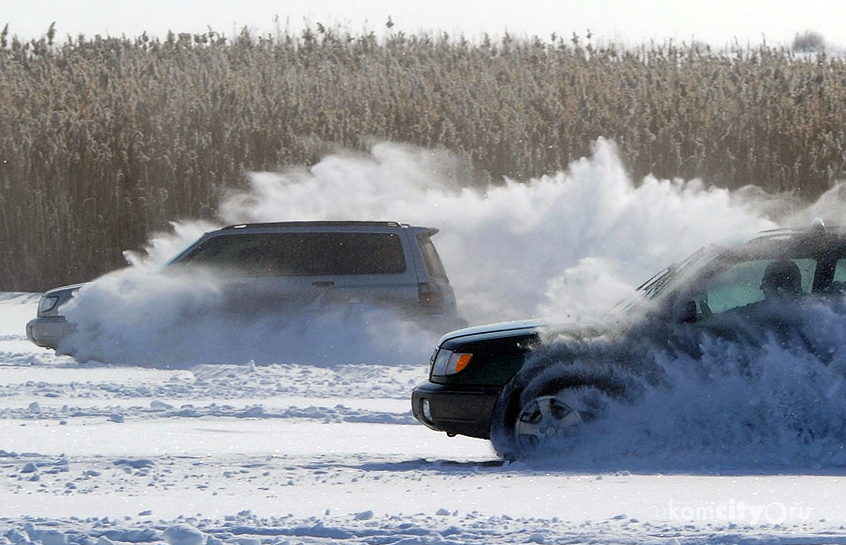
(323, 284)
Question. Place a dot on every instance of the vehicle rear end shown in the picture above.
(435, 295)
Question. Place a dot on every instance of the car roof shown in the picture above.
(340, 224)
(321, 223)
(816, 228)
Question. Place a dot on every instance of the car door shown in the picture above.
(366, 266)
(731, 302)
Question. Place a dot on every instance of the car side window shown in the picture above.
(838, 282)
(302, 254)
(741, 285)
(840, 271)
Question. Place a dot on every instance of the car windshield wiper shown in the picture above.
(657, 282)
(656, 285)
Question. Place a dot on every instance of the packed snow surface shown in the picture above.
(142, 439)
(291, 453)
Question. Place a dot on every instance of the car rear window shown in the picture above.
(302, 254)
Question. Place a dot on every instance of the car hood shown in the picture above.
(501, 327)
(517, 328)
(71, 287)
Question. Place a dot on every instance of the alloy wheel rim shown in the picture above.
(546, 419)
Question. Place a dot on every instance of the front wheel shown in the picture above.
(547, 419)
(544, 418)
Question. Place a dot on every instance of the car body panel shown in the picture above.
(49, 327)
(48, 331)
(461, 404)
(457, 411)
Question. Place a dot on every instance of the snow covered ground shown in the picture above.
(284, 453)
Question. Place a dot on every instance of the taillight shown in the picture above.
(430, 297)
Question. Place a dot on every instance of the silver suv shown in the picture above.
(302, 265)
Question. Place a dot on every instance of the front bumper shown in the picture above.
(456, 410)
(48, 331)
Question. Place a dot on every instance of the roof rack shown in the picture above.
(317, 223)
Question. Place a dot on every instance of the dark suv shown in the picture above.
(524, 384)
(274, 266)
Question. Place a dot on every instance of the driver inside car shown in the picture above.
(782, 280)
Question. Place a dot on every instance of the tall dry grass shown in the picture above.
(104, 140)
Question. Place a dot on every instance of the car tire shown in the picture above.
(544, 417)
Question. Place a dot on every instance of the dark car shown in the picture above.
(524, 384)
(301, 265)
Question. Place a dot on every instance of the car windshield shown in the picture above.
(659, 284)
(668, 278)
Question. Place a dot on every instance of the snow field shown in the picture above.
(94, 454)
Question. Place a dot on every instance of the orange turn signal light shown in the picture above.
(462, 362)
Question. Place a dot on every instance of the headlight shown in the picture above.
(53, 300)
(448, 362)
(47, 304)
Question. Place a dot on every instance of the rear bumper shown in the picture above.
(48, 331)
(456, 410)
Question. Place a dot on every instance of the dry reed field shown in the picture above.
(103, 140)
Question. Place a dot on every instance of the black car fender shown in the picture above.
(546, 373)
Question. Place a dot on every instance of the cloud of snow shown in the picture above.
(766, 400)
(567, 245)
(142, 317)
